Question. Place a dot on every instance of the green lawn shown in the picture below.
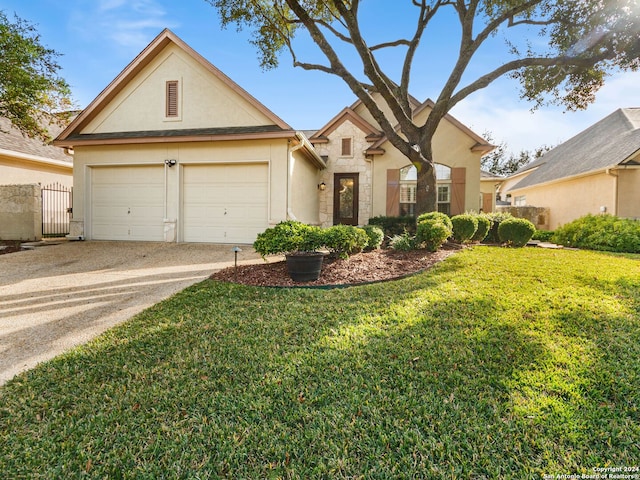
(498, 363)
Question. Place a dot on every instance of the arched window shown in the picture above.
(408, 189)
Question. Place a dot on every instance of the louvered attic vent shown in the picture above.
(172, 98)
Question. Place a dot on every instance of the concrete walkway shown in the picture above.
(58, 296)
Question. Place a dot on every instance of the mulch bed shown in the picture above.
(367, 267)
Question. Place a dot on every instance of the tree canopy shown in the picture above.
(560, 51)
(32, 95)
(500, 161)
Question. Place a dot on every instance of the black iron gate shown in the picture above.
(56, 210)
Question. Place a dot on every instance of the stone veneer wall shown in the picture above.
(20, 212)
(539, 216)
(338, 164)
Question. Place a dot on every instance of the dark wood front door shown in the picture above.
(345, 199)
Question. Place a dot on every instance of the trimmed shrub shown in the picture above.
(394, 225)
(495, 218)
(443, 217)
(484, 224)
(287, 237)
(375, 236)
(601, 232)
(344, 240)
(542, 235)
(432, 234)
(464, 227)
(516, 231)
(403, 242)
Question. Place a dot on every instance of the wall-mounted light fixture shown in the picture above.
(170, 163)
(322, 187)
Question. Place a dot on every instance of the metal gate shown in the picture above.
(56, 210)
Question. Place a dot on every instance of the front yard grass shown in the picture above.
(498, 363)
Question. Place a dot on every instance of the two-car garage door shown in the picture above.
(219, 203)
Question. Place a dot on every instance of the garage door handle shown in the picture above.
(128, 211)
(225, 211)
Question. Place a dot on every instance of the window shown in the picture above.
(520, 201)
(347, 150)
(172, 99)
(408, 189)
(444, 198)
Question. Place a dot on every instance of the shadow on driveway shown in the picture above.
(59, 296)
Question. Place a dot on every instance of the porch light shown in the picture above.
(170, 163)
(322, 187)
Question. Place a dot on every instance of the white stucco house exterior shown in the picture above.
(174, 150)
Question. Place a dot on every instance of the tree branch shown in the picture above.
(397, 43)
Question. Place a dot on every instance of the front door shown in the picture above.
(345, 199)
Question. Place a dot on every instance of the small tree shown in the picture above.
(570, 46)
(31, 94)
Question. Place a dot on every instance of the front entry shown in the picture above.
(345, 199)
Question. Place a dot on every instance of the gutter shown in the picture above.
(35, 159)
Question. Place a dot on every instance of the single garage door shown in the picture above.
(127, 203)
(224, 203)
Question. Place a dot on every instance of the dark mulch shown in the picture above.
(367, 267)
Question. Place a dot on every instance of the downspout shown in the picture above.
(608, 171)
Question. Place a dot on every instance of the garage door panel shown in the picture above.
(127, 203)
(224, 203)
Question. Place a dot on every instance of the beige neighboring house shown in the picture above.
(366, 176)
(174, 150)
(597, 171)
(25, 160)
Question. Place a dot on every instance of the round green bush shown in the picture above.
(464, 227)
(403, 242)
(287, 237)
(344, 240)
(432, 234)
(375, 236)
(516, 231)
(484, 224)
(495, 218)
(443, 217)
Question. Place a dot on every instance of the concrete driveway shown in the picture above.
(58, 296)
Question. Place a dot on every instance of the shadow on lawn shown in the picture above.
(417, 377)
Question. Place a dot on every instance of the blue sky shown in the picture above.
(98, 38)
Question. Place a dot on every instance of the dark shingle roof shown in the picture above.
(12, 139)
(607, 143)
(177, 133)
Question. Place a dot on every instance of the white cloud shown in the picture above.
(128, 24)
(497, 110)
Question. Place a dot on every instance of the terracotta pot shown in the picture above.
(304, 267)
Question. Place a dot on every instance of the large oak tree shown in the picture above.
(32, 95)
(569, 46)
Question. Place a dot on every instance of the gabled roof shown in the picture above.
(165, 38)
(14, 143)
(347, 113)
(481, 144)
(612, 141)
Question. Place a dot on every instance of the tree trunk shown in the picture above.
(427, 191)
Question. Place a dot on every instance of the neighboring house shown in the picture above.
(25, 160)
(174, 150)
(366, 176)
(489, 185)
(596, 171)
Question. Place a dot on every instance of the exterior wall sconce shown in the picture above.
(170, 163)
(322, 187)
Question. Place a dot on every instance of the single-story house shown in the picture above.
(596, 171)
(174, 150)
(25, 160)
(366, 176)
